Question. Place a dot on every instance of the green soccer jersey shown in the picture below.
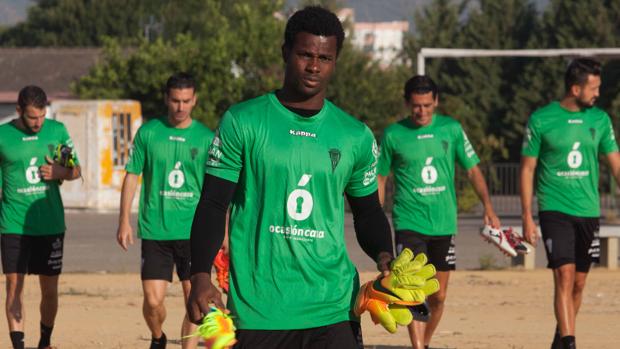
(290, 267)
(567, 145)
(30, 205)
(172, 163)
(422, 159)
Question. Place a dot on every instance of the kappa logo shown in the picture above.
(194, 153)
(334, 155)
(592, 133)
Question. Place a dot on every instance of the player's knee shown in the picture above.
(438, 298)
(578, 287)
(152, 302)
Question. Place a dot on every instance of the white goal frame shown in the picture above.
(424, 53)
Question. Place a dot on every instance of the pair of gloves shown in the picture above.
(388, 298)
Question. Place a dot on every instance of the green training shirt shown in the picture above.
(172, 163)
(567, 145)
(30, 205)
(422, 159)
(289, 263)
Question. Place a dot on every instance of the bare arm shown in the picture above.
(480, 187)
(528, 168)
(613, 159)
(124, 234)
(381, 180)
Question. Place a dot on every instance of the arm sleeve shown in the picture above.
(372, 228)
(208, 227)
(608, 138)
(226, 150)
(465, 153)
(531, 140)
(135, 164)
(363, 180)
(66, 140)
(385, 157)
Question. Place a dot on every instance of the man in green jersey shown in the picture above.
(32, 218)
(560, 149)
(421, 151)
(170, 153)
(285, 161)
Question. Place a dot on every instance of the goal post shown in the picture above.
(426, 52)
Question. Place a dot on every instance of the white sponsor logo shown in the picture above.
(575, 158)
(301, 133)
(32, 172)
(300, 203)
(176, 139)
(176, 177)
(429, 176)
(426, 136)
(30, 138)
(575, 121)
(429, 172)
(469, 150)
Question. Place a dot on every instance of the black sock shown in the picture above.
(17, 338)
(568, 342)
(159, 343)
(557, 342)
(46, 335)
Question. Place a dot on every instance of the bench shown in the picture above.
(608, 234)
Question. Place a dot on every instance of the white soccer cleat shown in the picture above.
(499, 239)
(516, 241)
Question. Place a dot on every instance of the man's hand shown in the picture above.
(53, 171)
(490, 218)
(529, 230)
(124, 235)
(202, 294)
(383, 263)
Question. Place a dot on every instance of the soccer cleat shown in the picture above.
(499, 239)
(222, 265)
(517, 242)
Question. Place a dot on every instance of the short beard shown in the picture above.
(30, 130)
(584, 105)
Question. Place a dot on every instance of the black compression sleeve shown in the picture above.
(371, 225)
(209, 226)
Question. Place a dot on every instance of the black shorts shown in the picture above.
(160, 256)
(570, 239)
(342, 335)
(27, 254)
(439, 249)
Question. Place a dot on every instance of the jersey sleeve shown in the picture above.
(137, 153)
(531, 139)
(226, 150)
(465, 153)
(65, 139)
(385, 157)
(363, 180)
(608, 142)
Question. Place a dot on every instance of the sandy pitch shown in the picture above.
(485, 309)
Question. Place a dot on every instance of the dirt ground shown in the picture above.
(485, 309)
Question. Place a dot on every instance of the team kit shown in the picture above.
(262, 200)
